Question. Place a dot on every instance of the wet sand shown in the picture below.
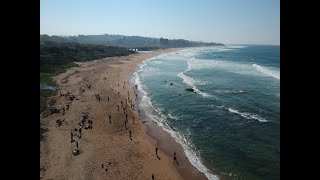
(108, 142)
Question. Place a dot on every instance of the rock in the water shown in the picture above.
(190, 89)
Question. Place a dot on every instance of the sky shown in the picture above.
(223, 21)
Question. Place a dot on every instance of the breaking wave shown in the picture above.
(272, 73)
(247, 115)
(192, 82)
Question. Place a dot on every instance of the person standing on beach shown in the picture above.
(118, 107)
(130, 135)
(133, 120)
(152, 177)
(108, 98)
(110, 119)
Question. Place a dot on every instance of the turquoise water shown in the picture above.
(231, 123)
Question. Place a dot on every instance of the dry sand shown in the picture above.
(107, 142)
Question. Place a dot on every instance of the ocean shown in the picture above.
(230, 124)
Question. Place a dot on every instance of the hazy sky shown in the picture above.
(225, 21)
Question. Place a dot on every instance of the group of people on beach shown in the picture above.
(86, 122)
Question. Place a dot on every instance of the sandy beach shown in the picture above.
(106, 150)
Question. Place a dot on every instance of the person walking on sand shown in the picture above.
(110, 119)
(130, 135)
(118, 107)
(175, 158)
(108, 98)
(152, 177)
(125, 124)
(157, 153)
(71, 137)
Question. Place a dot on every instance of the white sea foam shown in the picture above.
(189, 64)
(236, 46)
(231, 66)
(267, 71)
(146, 104)
(247, 115)
(235, 67)
(192, 82)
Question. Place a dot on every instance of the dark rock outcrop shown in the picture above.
(190, 89)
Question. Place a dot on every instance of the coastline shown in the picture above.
(135, 159)
(168, 142)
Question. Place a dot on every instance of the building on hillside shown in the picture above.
(164, 41)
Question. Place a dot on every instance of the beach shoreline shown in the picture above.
(135, 159)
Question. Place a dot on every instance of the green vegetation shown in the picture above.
(127, 41)
(56, 58)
